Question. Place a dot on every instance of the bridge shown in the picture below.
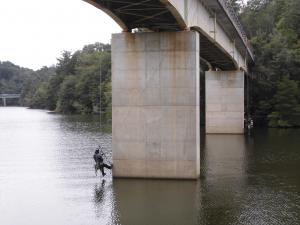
(8, 96)
(156, 63)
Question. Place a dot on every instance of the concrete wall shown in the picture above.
(155, 91)
(224, 102)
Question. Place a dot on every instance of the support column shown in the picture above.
(4, 101)
(224, 102)
(155, 91)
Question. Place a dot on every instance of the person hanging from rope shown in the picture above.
(100, 165)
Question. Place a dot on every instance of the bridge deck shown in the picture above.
(231, 24)
(158, 15)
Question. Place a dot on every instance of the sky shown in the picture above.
(33, 33)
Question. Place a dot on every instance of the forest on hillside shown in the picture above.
(273, 27)
(71, 87)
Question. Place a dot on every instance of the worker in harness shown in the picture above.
(100, 165)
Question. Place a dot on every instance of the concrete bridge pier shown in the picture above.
(4, 101)
(155, 104)
(224, 102)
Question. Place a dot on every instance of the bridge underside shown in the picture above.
(156, 83)
(157, 16)
(214, 55)
(151, 14)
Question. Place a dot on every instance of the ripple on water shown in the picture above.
(47, 177)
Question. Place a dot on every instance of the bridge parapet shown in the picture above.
(237, 23)
(222, 42)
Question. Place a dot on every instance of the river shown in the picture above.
(47, 178)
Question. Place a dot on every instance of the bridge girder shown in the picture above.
(221, 42)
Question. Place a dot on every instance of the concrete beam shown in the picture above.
(224, 102)
(223, 44)
(199, 17)
(155, 92)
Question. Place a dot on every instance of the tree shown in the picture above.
(13, 78)
(39, 99)
(67, 63)
(273, 26)
(236, 5)
(286, 104)
(67, 96)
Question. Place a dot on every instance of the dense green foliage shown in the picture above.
(236, 5)
(274, 29)
(33, 93)
(13, 78)
(73, 86)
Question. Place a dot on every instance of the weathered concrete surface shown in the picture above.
(155, 92)
(198, 15)
(224, 102)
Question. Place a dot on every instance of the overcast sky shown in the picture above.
(35, 32)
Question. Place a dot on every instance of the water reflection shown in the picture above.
(99, 193)
(46, 169)
(224, 169)
(156, 202)
(47, 177)
(104, 200)
(225, 156)
(252, 179)
(272, 194)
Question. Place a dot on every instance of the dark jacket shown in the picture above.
(98, 158)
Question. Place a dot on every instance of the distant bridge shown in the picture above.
(8, 96)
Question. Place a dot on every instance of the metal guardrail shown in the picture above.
(234, 18)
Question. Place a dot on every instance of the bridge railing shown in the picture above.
(234, 18)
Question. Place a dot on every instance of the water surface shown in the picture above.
(47, 177)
